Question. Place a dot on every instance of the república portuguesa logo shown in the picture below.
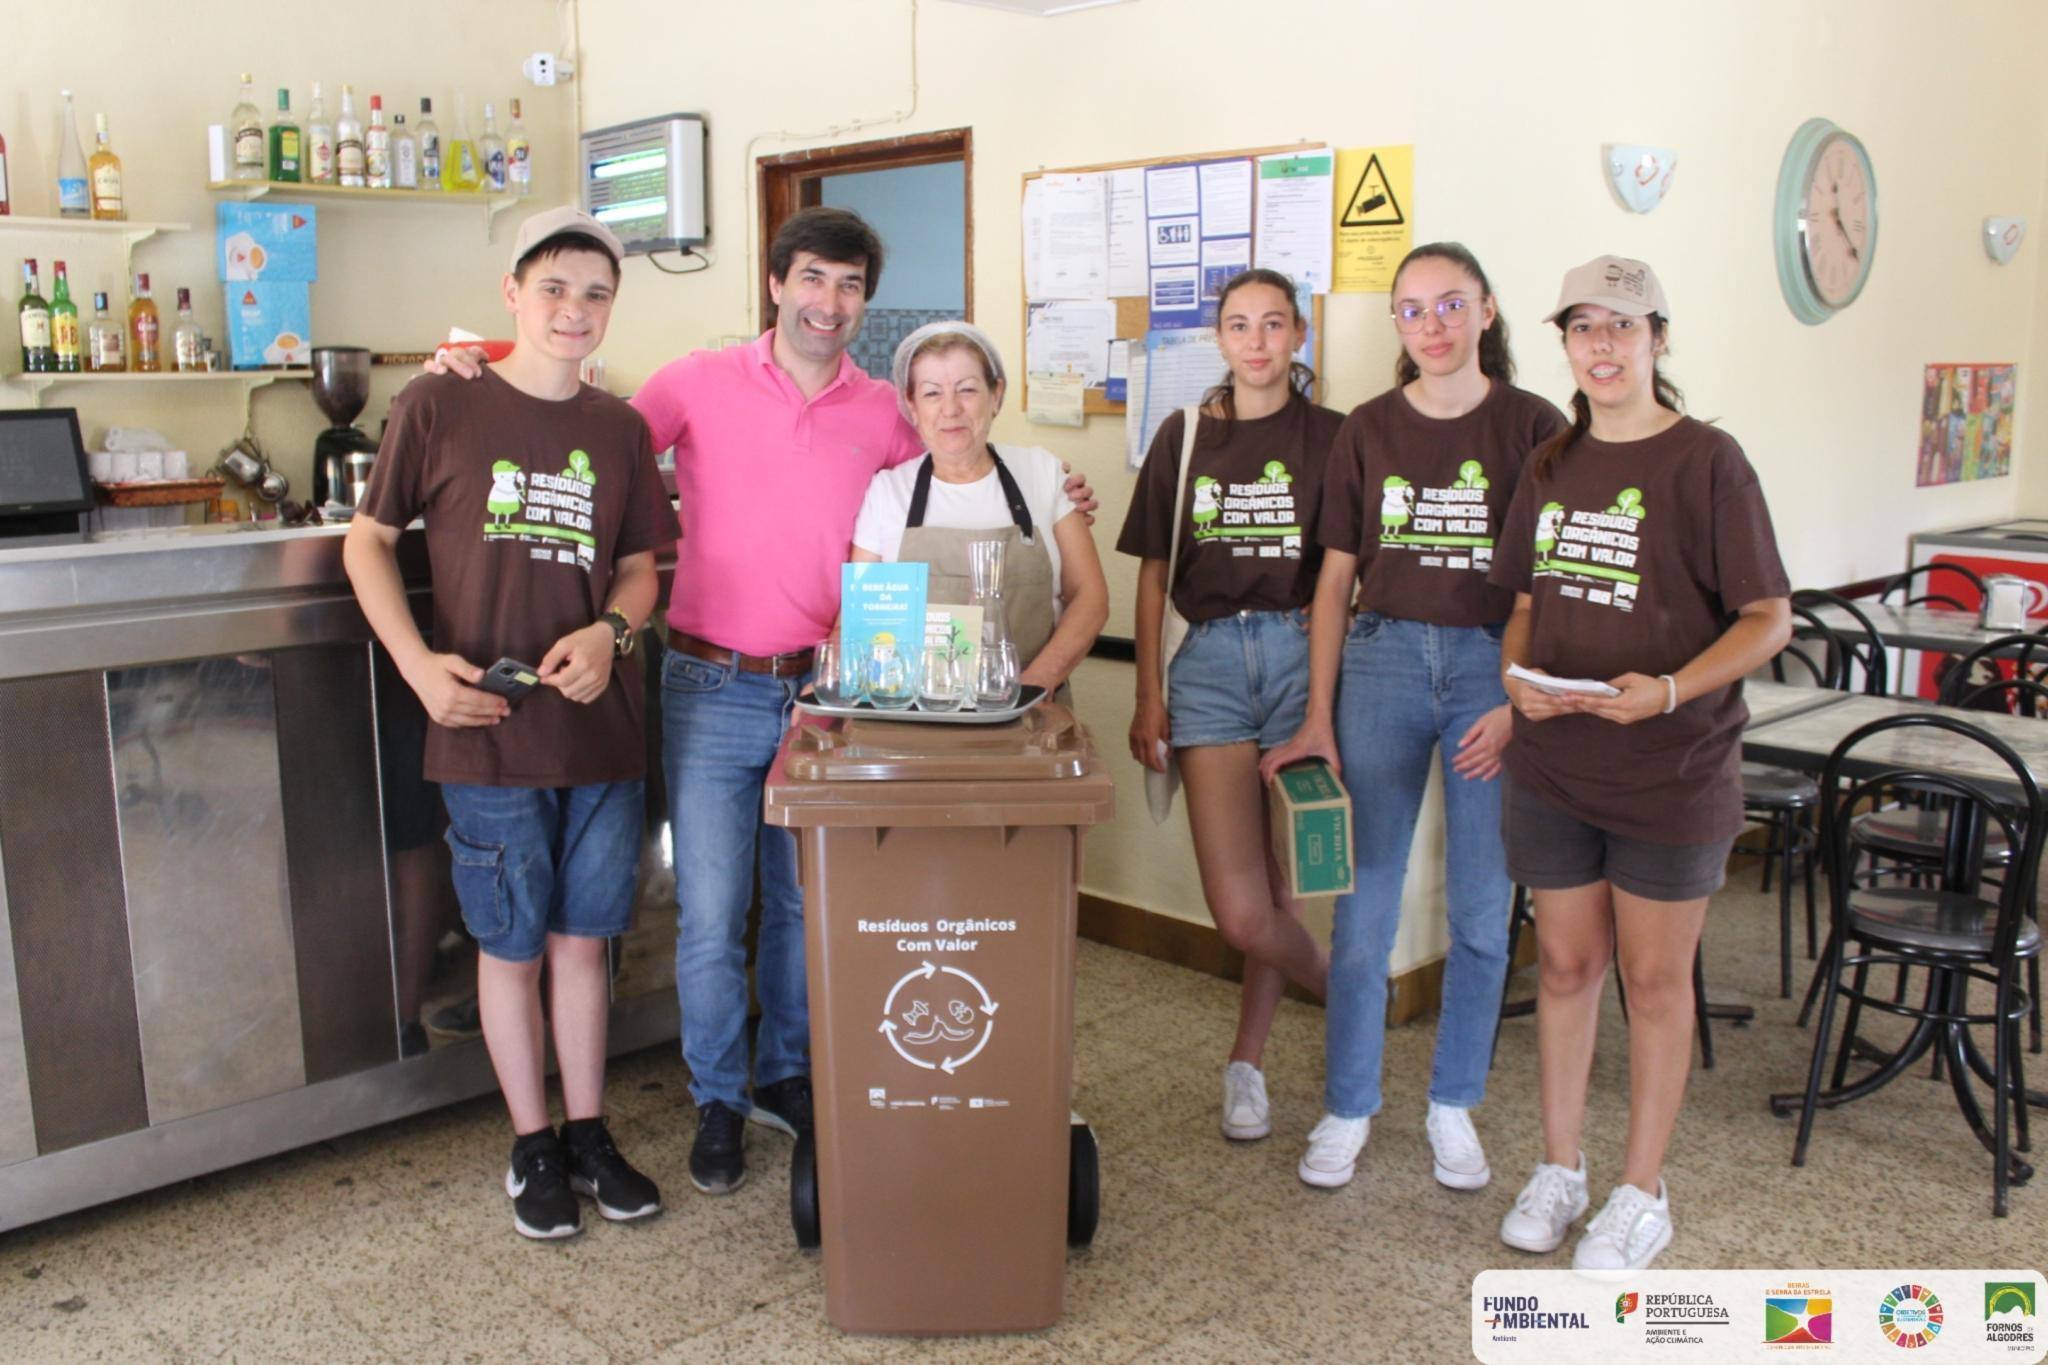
(1507, 1314)
(1799, 1315)
(2009, 1308)
(1624, 1304)
(1669, 1319)
(1910, 1316)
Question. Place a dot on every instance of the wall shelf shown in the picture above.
(128, 230)
(491, 204)
(249, 380)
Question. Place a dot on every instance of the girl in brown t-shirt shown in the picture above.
(1242, 577)
(1412, 504)
(1641, 555)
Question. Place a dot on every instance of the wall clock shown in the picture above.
(1825, 224)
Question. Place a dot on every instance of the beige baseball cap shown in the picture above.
(547, 223)
(1617, 282)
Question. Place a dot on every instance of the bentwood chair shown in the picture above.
(1953, 932)
(1941, 596)
(1870, 656)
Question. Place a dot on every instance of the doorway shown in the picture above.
(917, 193)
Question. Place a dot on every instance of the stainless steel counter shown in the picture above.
(226, 927)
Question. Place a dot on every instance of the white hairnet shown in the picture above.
(967, 332)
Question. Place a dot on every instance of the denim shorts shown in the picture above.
(1240, 677)
(534, 861)
(1550, 849)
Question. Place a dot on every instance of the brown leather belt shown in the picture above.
(790, 665)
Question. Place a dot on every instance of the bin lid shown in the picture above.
(1045, 743)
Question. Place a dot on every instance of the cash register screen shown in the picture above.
(42, 463)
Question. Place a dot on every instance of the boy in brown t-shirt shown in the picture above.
(543, 512)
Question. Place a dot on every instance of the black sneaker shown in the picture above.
(718, 1158)
(597, 1169)
(784, 1106)
(543, 1205)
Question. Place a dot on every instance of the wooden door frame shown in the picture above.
(791, 181)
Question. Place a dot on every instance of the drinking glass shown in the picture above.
(834, 679)
(892, 679)
(943, 685)
(995, 677)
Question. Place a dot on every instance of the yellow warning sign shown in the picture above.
(1374, 208)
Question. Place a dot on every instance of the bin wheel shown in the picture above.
(803, 1192)
(1084, 1186)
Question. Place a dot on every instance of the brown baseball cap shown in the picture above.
(1617, 282)
(549, 222)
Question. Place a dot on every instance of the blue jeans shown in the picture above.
(1406, 688)
(720, 729)
(534, 861)
(1240, 677)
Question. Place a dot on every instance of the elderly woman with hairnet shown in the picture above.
(949, 383)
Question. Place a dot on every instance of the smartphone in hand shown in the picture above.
(510, 679)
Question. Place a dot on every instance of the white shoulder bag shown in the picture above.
(1173, 627)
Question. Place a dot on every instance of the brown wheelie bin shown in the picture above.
(940, 865)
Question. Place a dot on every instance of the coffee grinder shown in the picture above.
(343, 454)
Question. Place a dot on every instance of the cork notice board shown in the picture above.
(1133, 315)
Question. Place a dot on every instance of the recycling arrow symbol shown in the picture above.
(960, 1012)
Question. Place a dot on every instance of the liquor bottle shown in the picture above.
(64, 338)
(319, 141)
(377, 148)
(287, 148)
(106, 348)
(144, 329)
(430, 147)
(458, 158)
(518, 155)
(187, 346)
(74, 198)
(104, 171)
(405, 156)
(245, 126)
(348, 142)
(491, 148)
(36, 355)
(4, 203)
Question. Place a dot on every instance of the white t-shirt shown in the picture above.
(976, 506)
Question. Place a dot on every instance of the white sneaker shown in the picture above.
(1460, 1160)
(1333, 1148)
(1627, 1233)
(1546, 1208)
(1246, 1114)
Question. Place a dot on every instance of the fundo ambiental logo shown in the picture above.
(1507, 1314)
(2009, 1308)
(1799, 1315)
(1910, 1316)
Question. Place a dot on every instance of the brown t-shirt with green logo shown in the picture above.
(1636, 557)
(528, 504)
(1244, 535)
(1420, 499)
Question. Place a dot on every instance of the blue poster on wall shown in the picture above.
(1198, 233)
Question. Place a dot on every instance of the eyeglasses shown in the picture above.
(1451, 312)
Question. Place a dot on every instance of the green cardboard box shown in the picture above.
(1312, 829)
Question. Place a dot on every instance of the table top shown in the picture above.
(1804, 740)
(1923, 627)
(1771, 701)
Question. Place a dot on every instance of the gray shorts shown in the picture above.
(1553, 850)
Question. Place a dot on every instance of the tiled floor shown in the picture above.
(396, 1244)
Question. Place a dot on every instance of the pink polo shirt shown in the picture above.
(768, 486)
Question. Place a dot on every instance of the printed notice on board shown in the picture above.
(1374, 216)
(1294, 231)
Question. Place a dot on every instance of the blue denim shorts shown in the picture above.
(1240, 677)
(534, 861)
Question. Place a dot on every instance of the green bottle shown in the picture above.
(284, 141)
(36, 355)
(65, 338)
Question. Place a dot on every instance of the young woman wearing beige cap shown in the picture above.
(1633, 540)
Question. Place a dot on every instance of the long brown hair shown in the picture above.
(1495, 360)
(1544, 458)
(1300, 378)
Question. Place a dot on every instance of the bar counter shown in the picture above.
(226, 928)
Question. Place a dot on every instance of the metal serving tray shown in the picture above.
(1026, 699)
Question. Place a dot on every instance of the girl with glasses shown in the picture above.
(1417, 486)
(1242, 577)
(1641, 554)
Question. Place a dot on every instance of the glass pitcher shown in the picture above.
(985, 564)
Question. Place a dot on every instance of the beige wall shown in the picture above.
(392, 277)
(1507, 104)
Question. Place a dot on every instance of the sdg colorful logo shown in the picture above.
(1910, 1316)
(1798, 1321)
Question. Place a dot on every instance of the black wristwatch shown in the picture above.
(622, 632)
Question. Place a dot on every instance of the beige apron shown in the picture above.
(1027, 566)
